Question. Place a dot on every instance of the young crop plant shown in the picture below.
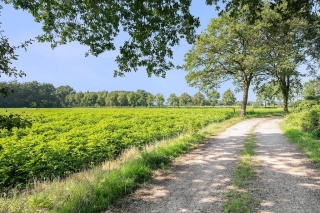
(66, 141)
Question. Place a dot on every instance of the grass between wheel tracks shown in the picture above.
(96, 189)
(239, 199)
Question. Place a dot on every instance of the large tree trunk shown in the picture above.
(246, 85)
(285, 86)
(285, 94)
(285, 104)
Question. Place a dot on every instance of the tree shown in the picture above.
(307, 9)
(112, 98)
(296, 91)
(122, 98)
(101, 100)
(173, 100)
(159, 100)
(213, 97)
(132, 98)
(283, 51)
(69, 100)
(311, 89)
(47, 96)
(226, 50)
(89, 99)
(62, 92)
(198, 99)
(77, 98)
(185, 99)
(268, 94)
(228, 98)
(142, 97)
(150, 99)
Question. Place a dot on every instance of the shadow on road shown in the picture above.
(288, 181)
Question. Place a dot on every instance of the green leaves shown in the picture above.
(10, 121)
(228, 98)
(154, 27)
(227, 50)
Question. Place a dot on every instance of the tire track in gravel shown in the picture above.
(287, 181)
(197, 182)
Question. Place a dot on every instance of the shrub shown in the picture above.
(310, 120)
(305, 104)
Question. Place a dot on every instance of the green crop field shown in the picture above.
(65, 141)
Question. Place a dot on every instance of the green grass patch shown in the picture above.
(96, 189)
(244, 172)
(249, 146)
(264, 112)
(239, 200)
(306, 141)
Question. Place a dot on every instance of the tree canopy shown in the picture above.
(228, 98)
(268, 94)
(284, 50)
(153, 26)
(226, 50)
(312, 89)
(213, 97)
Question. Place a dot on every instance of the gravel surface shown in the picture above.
(287, 181)
(198, 182)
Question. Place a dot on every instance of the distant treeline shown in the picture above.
(35, 94)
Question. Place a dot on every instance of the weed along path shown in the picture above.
(198, 182)
(287, 182)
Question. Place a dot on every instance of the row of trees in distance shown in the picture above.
(35, 94)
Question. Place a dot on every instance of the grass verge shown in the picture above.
(239, 199)
(307, 142)
(96, 189)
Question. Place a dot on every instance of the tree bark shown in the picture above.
(285, 101)
(285, 86)
(246, 85)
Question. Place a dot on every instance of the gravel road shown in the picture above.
(199, 181)
(287, 181)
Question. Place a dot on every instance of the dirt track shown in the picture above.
(199, 181)
(287, 182)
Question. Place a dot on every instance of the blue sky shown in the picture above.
(67, 65)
